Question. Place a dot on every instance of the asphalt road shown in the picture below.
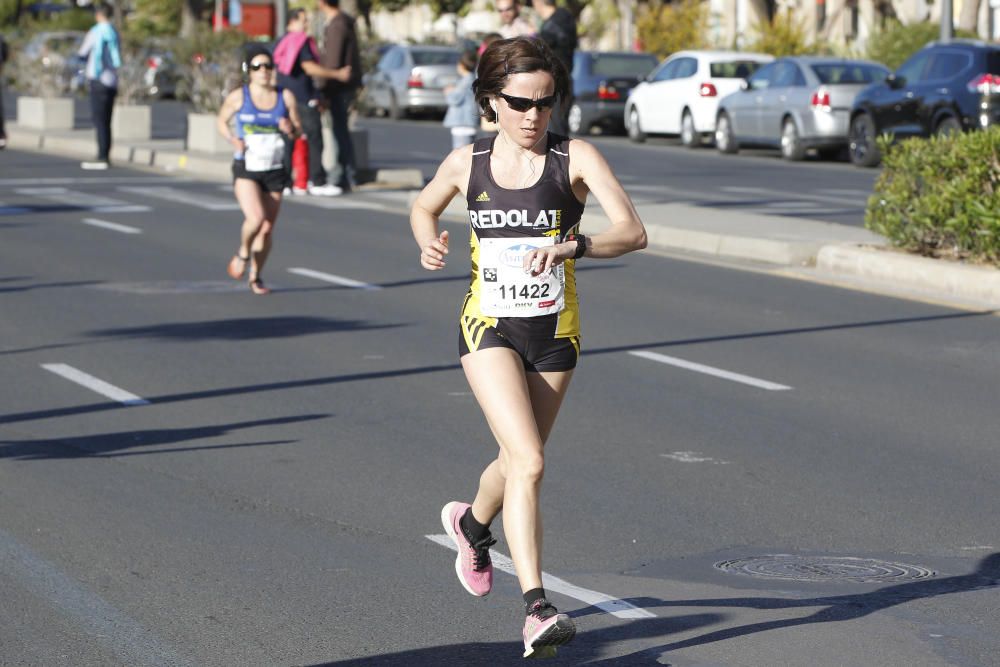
(264, 492)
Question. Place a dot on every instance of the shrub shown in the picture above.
(784, 35)
(893, 44)
(210, 66)
(667, 28)
(941, 196)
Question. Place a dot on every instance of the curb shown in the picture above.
(895, 270)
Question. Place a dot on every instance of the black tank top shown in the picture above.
(547, 208)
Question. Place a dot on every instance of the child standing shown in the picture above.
(463, 114)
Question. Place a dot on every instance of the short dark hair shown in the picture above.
(331, 3)
(517, 55)
(102, 8)
(295, 14)
(468, 60)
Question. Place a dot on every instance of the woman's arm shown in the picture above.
(233, 102)
(432, 201)
(295, 128)
(626, 232)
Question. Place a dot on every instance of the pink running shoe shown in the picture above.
(545, 629)
(473, 565)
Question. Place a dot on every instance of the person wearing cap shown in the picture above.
(266, 117)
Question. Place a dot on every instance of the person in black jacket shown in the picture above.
(558, 30)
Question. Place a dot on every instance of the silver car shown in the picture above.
(409, 79)
(795, 104)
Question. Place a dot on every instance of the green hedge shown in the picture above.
(941, 196)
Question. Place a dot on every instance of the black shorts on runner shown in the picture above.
(537, 354)
(275, 180)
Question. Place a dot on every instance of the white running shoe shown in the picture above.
(287, 192)
(328, 190)
(96, 165)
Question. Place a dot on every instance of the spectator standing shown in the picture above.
(463, 112)
(101, 48)
(297, 59)
(558, 30)
(512, 24)
(4, 54)
(340, 49)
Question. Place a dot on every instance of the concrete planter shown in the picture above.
(45, 113)
(132, 122)
(203, 136)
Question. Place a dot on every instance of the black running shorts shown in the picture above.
(537, 354)
(275, 180)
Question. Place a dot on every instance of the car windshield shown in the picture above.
(623, 65)
(435, 57)
(735, 69)
(847, 73)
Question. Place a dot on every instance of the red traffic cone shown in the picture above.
(300, 164)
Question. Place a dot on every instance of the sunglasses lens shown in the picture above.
(545, 102)
(259, 66)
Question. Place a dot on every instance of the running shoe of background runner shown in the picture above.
(328, 190)
(545, 629)
(473, 565)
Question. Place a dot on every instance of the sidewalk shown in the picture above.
(839, 254)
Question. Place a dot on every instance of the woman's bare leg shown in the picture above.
(261, 244)
(527, 410)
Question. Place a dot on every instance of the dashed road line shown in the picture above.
(693, 457)
(612, 605)
(710, 370)
(113, 226)
(330, 278)
(95, 384)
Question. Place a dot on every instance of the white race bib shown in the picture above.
(506, 290)
(264, 151)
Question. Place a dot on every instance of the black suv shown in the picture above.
(942, 88)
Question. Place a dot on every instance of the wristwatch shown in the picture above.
(581, 244)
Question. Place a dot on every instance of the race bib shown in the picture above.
(506, 290)
(264, 151)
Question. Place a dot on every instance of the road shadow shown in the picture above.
(240, 329)
(111, 445)
(465, 276)
(588, 646)
(833, 608)
(38, 286)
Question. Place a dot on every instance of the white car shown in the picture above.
(681, 96)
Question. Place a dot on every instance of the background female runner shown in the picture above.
(264, 114)
(519, 325)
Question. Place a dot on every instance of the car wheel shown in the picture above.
(575, 120)
(689, 136)
(791, 144)
(861, 145)
(635, 132)
(725, 141)
(396, 112)
(948, 126)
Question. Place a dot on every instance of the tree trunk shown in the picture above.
(969, 17)
(190, 16)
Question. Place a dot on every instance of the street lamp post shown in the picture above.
(947, 31)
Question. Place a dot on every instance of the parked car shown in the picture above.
(939, 90)
(795, 104)
(681, 96)
(602, 81)
(409, 79)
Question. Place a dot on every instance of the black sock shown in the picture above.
(531, 596)
(474, 531)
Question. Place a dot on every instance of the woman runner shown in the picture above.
(264, 115)
(519, 327)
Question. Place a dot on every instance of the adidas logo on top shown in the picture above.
(483, 197)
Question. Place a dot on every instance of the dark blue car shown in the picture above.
(942, 88)
(601, 84)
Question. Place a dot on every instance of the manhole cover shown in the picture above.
(824, 568)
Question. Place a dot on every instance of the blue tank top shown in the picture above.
(251, 120)
(265, 145)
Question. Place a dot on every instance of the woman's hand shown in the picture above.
(286, 127)
(541, 260)
(239, 145)
(432, 253)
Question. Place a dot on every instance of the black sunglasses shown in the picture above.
(522, 104)
(259, 66)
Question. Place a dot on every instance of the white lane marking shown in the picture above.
(113, 226)
(133, 643)
(710, 370)
(693, 457)
(330, 278)
(95, 384)
(613, 606)
(179, 196)
(96, 203)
